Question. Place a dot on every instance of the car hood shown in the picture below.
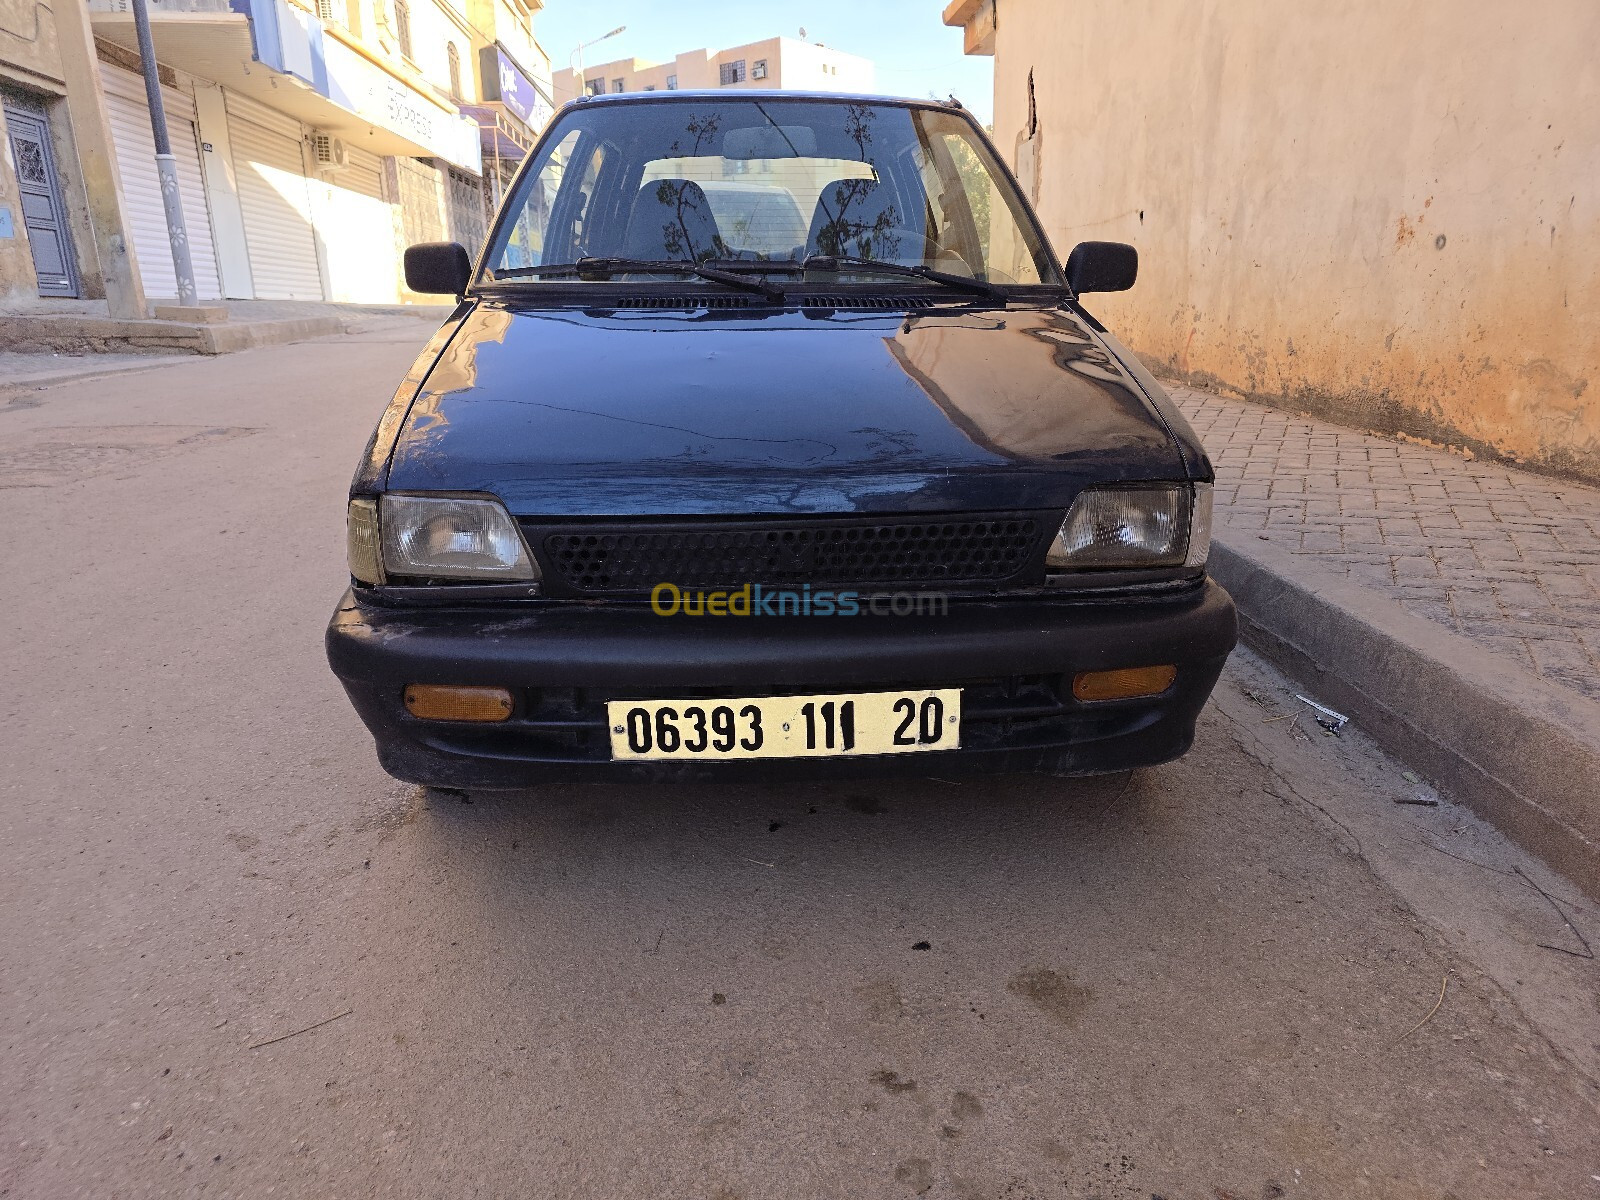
(566, 413)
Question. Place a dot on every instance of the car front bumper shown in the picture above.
(1013, 659)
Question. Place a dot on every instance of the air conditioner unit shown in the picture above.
(330, 152)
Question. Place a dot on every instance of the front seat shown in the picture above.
(854, 217)
(672, 220)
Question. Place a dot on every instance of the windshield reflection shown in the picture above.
(776, 181)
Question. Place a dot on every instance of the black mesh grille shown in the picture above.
(967, 550)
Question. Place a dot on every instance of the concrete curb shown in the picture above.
(1521, 752)
(71, 333)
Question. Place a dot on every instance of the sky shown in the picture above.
(915, 52)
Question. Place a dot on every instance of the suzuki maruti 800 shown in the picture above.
(768, 436)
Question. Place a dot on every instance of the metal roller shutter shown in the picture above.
(141, 186)
(275, 201)
(358, 233)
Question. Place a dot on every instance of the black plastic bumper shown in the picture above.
(1013, 659)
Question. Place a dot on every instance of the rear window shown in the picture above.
(760, 207)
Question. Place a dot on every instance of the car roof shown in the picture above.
(765, 95)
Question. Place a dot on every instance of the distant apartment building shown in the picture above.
(778, 62)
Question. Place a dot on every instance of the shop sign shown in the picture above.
(508, 83)
(375, 95)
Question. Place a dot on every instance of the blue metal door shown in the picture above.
(43, 213)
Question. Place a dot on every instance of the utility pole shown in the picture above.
(577, 56)
(166, 164)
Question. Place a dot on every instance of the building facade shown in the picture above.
(48, 243)
(1380, 213)
(313, 140)
(773, 63)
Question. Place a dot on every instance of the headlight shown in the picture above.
(1120, 528)
(441, 537)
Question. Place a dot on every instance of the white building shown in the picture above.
(773, 63)
(315, 139)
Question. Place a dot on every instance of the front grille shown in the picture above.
(969, 550)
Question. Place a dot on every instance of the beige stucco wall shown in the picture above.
(1385, 212)
(29, 52)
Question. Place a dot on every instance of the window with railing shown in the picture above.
(732, 72)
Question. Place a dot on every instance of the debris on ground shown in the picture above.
(1443, 983)
(1332, 721)
(1587, 951)
(285, 1037)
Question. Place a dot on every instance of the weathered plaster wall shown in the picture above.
(30, 65)
(1388, 213)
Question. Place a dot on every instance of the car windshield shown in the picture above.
(740, 183)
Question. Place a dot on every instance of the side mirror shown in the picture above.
(1102, 267)
(439, 268)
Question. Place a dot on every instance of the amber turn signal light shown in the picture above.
(434, 702)
(1123, 684)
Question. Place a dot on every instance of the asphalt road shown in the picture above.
(1221, 978)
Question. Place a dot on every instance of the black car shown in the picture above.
(768, 436)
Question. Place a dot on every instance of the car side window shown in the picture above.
(984, 220)
(586, 201)
(955, 197)
(944, 208)
(560, 206)
(526, 245)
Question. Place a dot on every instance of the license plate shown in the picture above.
(829, 726)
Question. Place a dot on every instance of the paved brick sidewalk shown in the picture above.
(1507, 558)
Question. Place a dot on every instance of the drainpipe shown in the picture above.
(166, 164)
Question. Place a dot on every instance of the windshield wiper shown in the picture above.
(831, 262)
(604, 268)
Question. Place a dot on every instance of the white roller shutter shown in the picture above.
(358, 233)
(141, 186)
(275, 201)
